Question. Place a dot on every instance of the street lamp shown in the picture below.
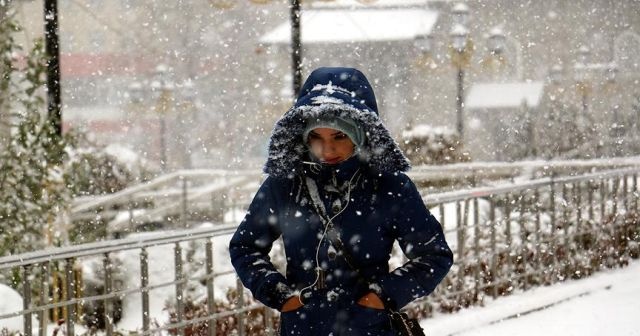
(581, 77)
(163, 88)
(497, 45)
(460, 56)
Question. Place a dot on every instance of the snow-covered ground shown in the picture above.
(607, 303)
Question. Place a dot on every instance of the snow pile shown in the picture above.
(11, 302)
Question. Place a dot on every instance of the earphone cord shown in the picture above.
(324, 233)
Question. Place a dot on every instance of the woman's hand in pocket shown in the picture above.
(371, 300)
(291, 304)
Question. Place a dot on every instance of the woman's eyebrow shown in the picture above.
(337, 133)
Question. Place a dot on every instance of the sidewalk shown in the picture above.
(604, 304)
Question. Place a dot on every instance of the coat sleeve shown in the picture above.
(250, 245)
(422, 240)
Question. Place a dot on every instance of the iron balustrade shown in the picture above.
(507, 231)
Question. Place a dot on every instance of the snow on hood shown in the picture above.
(338, 92)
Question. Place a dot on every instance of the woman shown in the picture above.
(335, 178)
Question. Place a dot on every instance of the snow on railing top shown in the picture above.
(82, 250)
(116, 245)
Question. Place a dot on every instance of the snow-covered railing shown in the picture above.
(515, 236)
(505, 237)
(173, 195)
(208, 192)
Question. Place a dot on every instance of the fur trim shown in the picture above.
(287, 150)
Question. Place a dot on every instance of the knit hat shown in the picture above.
(347, 126)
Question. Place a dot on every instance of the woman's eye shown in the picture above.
(340, 136)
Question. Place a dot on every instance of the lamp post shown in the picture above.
(460, 56)
(460, 49)
(581, 78)
(163, 88)
(52, 46)
(497, 44)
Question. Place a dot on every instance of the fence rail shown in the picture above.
(505, 237)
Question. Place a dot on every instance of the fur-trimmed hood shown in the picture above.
(339, 92)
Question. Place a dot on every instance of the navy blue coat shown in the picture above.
(384, 206)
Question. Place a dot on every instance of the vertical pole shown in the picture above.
(523, 241)
(442, 218)
(494, 253)
(460, 102)
(71, 295)
(52, 45)
(163, 140)
(296, 47)
(108, 288)
(239, 306)
(179, 287)
(538, 257)
(144, 283)
(44, 299)
(268, 320)
(508, 238)
(603, 202)
(625, 192)
(591, 212)
(635, 191)
(578, 194)
(614, 189)
(26, 300)
(476, 247)
(211, 304)
(183, 215)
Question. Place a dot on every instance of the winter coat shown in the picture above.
(373, 202)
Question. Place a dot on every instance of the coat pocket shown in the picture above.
(369, 321)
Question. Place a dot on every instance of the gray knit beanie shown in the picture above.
(347, 126)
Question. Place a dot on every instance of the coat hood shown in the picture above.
(333, 92)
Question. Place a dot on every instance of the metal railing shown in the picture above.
(179, 195)
(509, 236)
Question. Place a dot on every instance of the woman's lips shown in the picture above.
(332, 160)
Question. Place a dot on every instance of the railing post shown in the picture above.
(460, 238)
(591, 189)
(239, 306)
(185, 194)
(179, 287)
(635, 192)
(494, 253)
(26, 300)
(131, 214)
(108, 288)
(625, 192)
(523, 241)
(578, 193)
(144, 283)
(211, 304)
(268, 320)
(441, 210)
(44, 298)
(476, 248)
(603, 202)
(508, 238)
(538, 257)
(71, 295)
(614, 190)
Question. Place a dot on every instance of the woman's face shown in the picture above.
(330, 145)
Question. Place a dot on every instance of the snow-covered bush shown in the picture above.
(424, 144)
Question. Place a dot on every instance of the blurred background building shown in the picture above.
(191, 84)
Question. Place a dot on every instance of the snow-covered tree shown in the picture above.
(32, 188)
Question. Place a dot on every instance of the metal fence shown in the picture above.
(504, 237)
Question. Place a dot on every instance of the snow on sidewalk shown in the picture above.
(607, 303)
